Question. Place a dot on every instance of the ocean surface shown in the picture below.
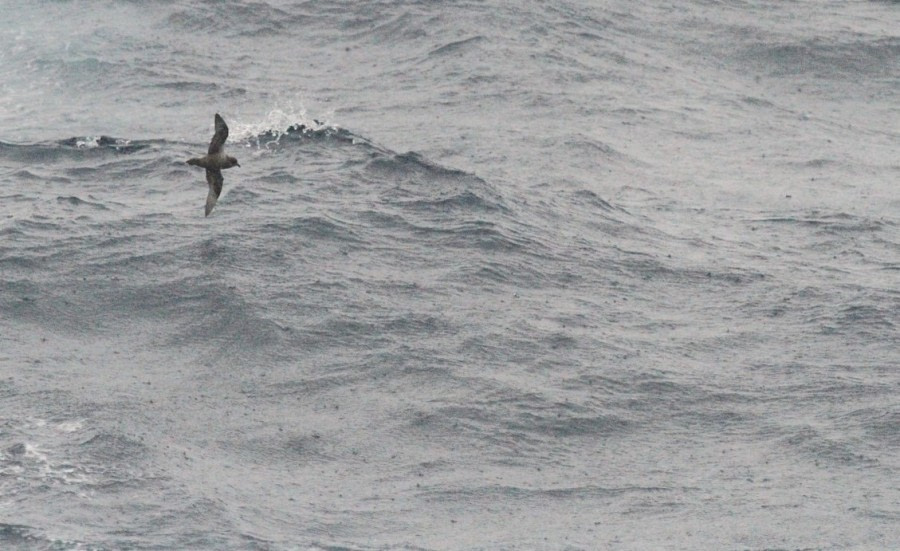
(491, 276)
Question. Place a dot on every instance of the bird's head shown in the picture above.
(232, 162)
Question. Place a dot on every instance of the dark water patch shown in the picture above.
(863, 225)
(143, 219)
(588, 36)
(465, 201)
(827, 59)
(15, 261)
(565, 424)
(231, 336)
(17, 197)
(236, 19)
(24, 175)
(371, 333)
(490, 274)
(881, 426)
(650, 269)
(825, 451)
(384, 27)
(419, 183)
(83, 72)
(757, 102)
(54, 310)
(193, 311)
(588, 197)
(474, 423)
(330, 284)
(56, 406)
(37, 226)
(19, 536)
(458, 46)
(256, 543)
(279, 177)
(8, 389)
(600, 17)
(877, 423)
(343, 331)
(864, 320)
(18, 296)
(83, 173)
(306, 388)
(189, 86)
(71, 149)
(832, 223)
(294, 448)
(498, 348)
(494, 492)
(261, 19)
(559, 340)
(719, 418)
(315, 228)
(78, 202)
(814, 163)
(412, 166)
(203, 315)
(483, 234)
(243, 195)
(31, 153)
(387, 221)
(127, 258)
(521, 423)
(16, 450)
(415, 324)
(106, 448)
(190, 21)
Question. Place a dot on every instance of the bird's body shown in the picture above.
(215, 161)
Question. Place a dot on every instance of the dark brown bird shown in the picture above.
(215, 161)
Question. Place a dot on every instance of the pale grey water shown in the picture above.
(566, 275)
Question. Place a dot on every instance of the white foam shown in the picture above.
(88, 142)
(92, 142)
(70, 426)
(285, 114)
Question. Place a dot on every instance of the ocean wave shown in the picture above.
(421, 185)
(74, 201)
(827, 58)
(456, 46)
(20, 536)
(69, 149)
(463, 201)
(835, 223)
(315, 227)
(524, 275)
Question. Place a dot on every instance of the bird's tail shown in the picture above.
(195, 162)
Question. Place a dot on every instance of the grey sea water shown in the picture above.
(492, 275)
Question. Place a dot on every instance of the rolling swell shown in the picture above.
(625, 268)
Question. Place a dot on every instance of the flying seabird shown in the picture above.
(214, 162)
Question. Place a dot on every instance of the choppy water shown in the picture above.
(568, 275)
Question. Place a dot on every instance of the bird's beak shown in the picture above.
(237, 164)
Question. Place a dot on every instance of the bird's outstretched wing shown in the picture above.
(218, 139)
(215, 181)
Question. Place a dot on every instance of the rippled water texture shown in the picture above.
(568, 275)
